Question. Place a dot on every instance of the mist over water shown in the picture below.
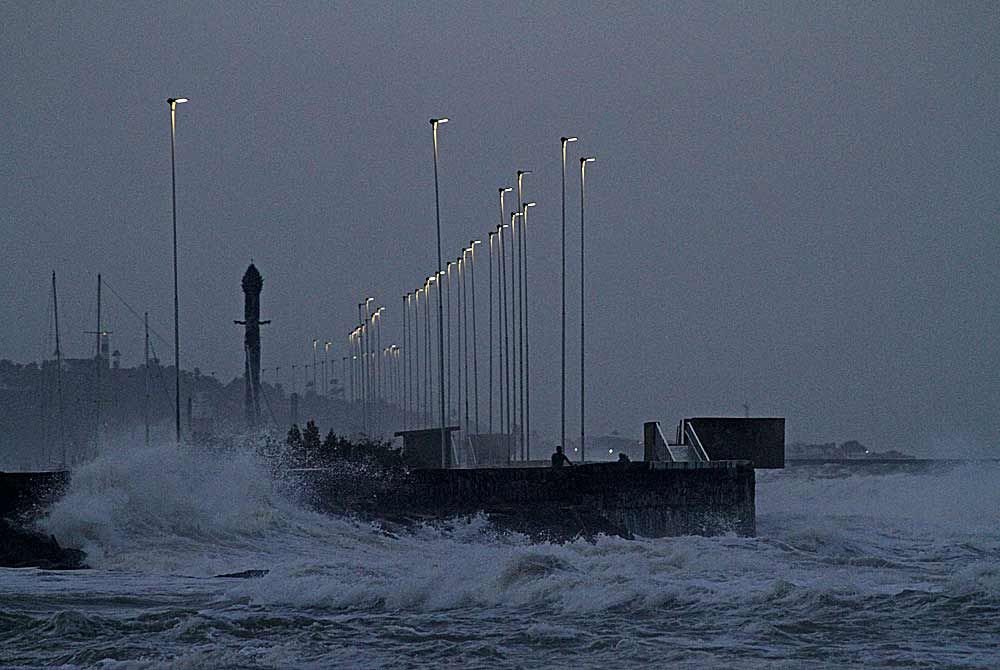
(857, 566)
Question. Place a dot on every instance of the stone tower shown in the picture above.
(252, 285)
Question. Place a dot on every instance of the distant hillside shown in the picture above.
(852, 449)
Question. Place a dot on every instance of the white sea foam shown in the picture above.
(839, 554)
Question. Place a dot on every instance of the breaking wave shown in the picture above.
(844, 560)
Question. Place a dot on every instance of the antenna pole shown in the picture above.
(97, 371)
(59, 396)
(145, 404)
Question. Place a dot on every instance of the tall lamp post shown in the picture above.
(515, 332)
(465, 335)
(475, 347)
(406, 358)
(361, 367)
(504, 353)
(437, 215)
(562, 421)
(417, 370)
(428, 360)
(173, 102)
(460, 314)
(521, 306)
(514, 216)
(500, 294)
(490, 420)
(527, 358)
(583, 385)
(448, 331)
(379, 390)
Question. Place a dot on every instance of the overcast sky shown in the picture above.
(795, 205)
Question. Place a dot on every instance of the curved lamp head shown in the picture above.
(564, 140)
(521, 173)
(176, 101)
(526, 205)
(435, 122)
(505, 189)
(587, 159)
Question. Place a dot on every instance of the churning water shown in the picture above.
(873, 567)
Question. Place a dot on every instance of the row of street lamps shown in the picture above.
(411, 385)
(511, 327)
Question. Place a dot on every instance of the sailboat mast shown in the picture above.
(145, 404)
(59, 396)
(97, 372)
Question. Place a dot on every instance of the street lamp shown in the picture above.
(354, 385)
(418, 372)
(490, 394)
(448, 332)
(406, 358)
(173, 102)
(460, 320)
(512, 358)
(563, 141)
(465, 336)
(504, 352)
(437, 214)
(369, 379)
(429, 359)
(527, 358)
(501, 319)
(362, 344)
(379, 390)
(475, 347)
(583, 386)
(521, 307)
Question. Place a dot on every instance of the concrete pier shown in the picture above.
(627, 499)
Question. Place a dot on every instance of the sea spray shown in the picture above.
(850, 567)
(168, 507)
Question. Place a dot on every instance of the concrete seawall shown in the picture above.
(644, 499)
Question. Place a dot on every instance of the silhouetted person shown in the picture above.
(623, 457)
(559, 458)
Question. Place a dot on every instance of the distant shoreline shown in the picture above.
(884, 461)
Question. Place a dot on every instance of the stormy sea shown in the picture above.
(887, 566)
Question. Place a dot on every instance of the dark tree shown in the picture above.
(329, 450)
(310, 442)
(294, 439)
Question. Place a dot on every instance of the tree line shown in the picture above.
(306, 449)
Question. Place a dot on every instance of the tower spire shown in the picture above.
(252, 284)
